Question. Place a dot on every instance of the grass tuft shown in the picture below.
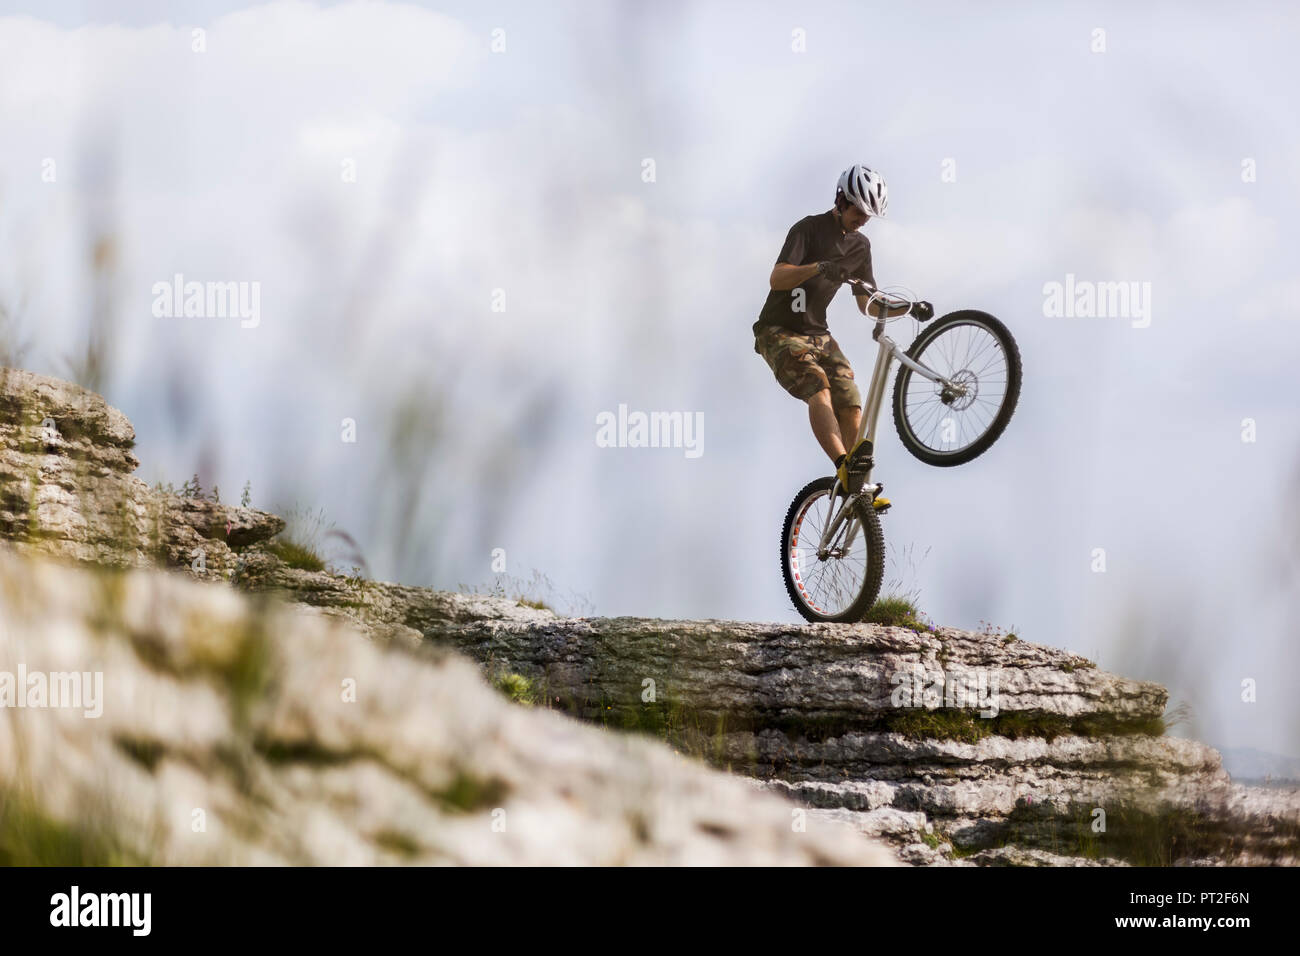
(295, 555)
(898, 611)
(518, 688)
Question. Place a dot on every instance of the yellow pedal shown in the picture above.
(880, 504)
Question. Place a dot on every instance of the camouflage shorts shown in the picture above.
(806, 364)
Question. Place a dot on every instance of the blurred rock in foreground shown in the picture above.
(226, 735)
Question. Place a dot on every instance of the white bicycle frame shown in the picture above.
(885, 356)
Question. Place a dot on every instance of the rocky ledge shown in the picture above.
(951, 745)
(955, 748)
(67, 489)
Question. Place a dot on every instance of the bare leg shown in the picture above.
(850, 420)
(824, 424)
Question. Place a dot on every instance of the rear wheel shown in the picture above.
(950, 424)
(841, 583)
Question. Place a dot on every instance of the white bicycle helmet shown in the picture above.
(865, 189)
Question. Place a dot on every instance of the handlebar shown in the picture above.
(861, 287)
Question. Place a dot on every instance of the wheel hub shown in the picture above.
(962, 390)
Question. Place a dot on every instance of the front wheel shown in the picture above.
(955, 420)
(838, 583)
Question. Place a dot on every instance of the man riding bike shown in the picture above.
(820, 253)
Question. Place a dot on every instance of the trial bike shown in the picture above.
(957, 387)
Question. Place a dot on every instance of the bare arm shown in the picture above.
(785, 276)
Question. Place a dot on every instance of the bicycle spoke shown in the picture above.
(971, 358)
(829, 585)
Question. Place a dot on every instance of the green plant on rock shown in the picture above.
(301, 545)
(29, 836)
(298, 545)
(518, 688)
(898, 611)
(1139, 836)
(944, 724)
(191, 487)
(295, 555)
(933, 839)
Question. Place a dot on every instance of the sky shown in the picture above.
(474, 228)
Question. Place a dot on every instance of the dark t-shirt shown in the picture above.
(814, 239)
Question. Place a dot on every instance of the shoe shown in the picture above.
(853, 468)
(842, 473)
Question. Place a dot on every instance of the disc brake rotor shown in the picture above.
(963, 395)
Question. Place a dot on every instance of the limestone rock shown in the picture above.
(226, 736)
(812, 711)
(1049, 762)
(774, 675)
(67, 489)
